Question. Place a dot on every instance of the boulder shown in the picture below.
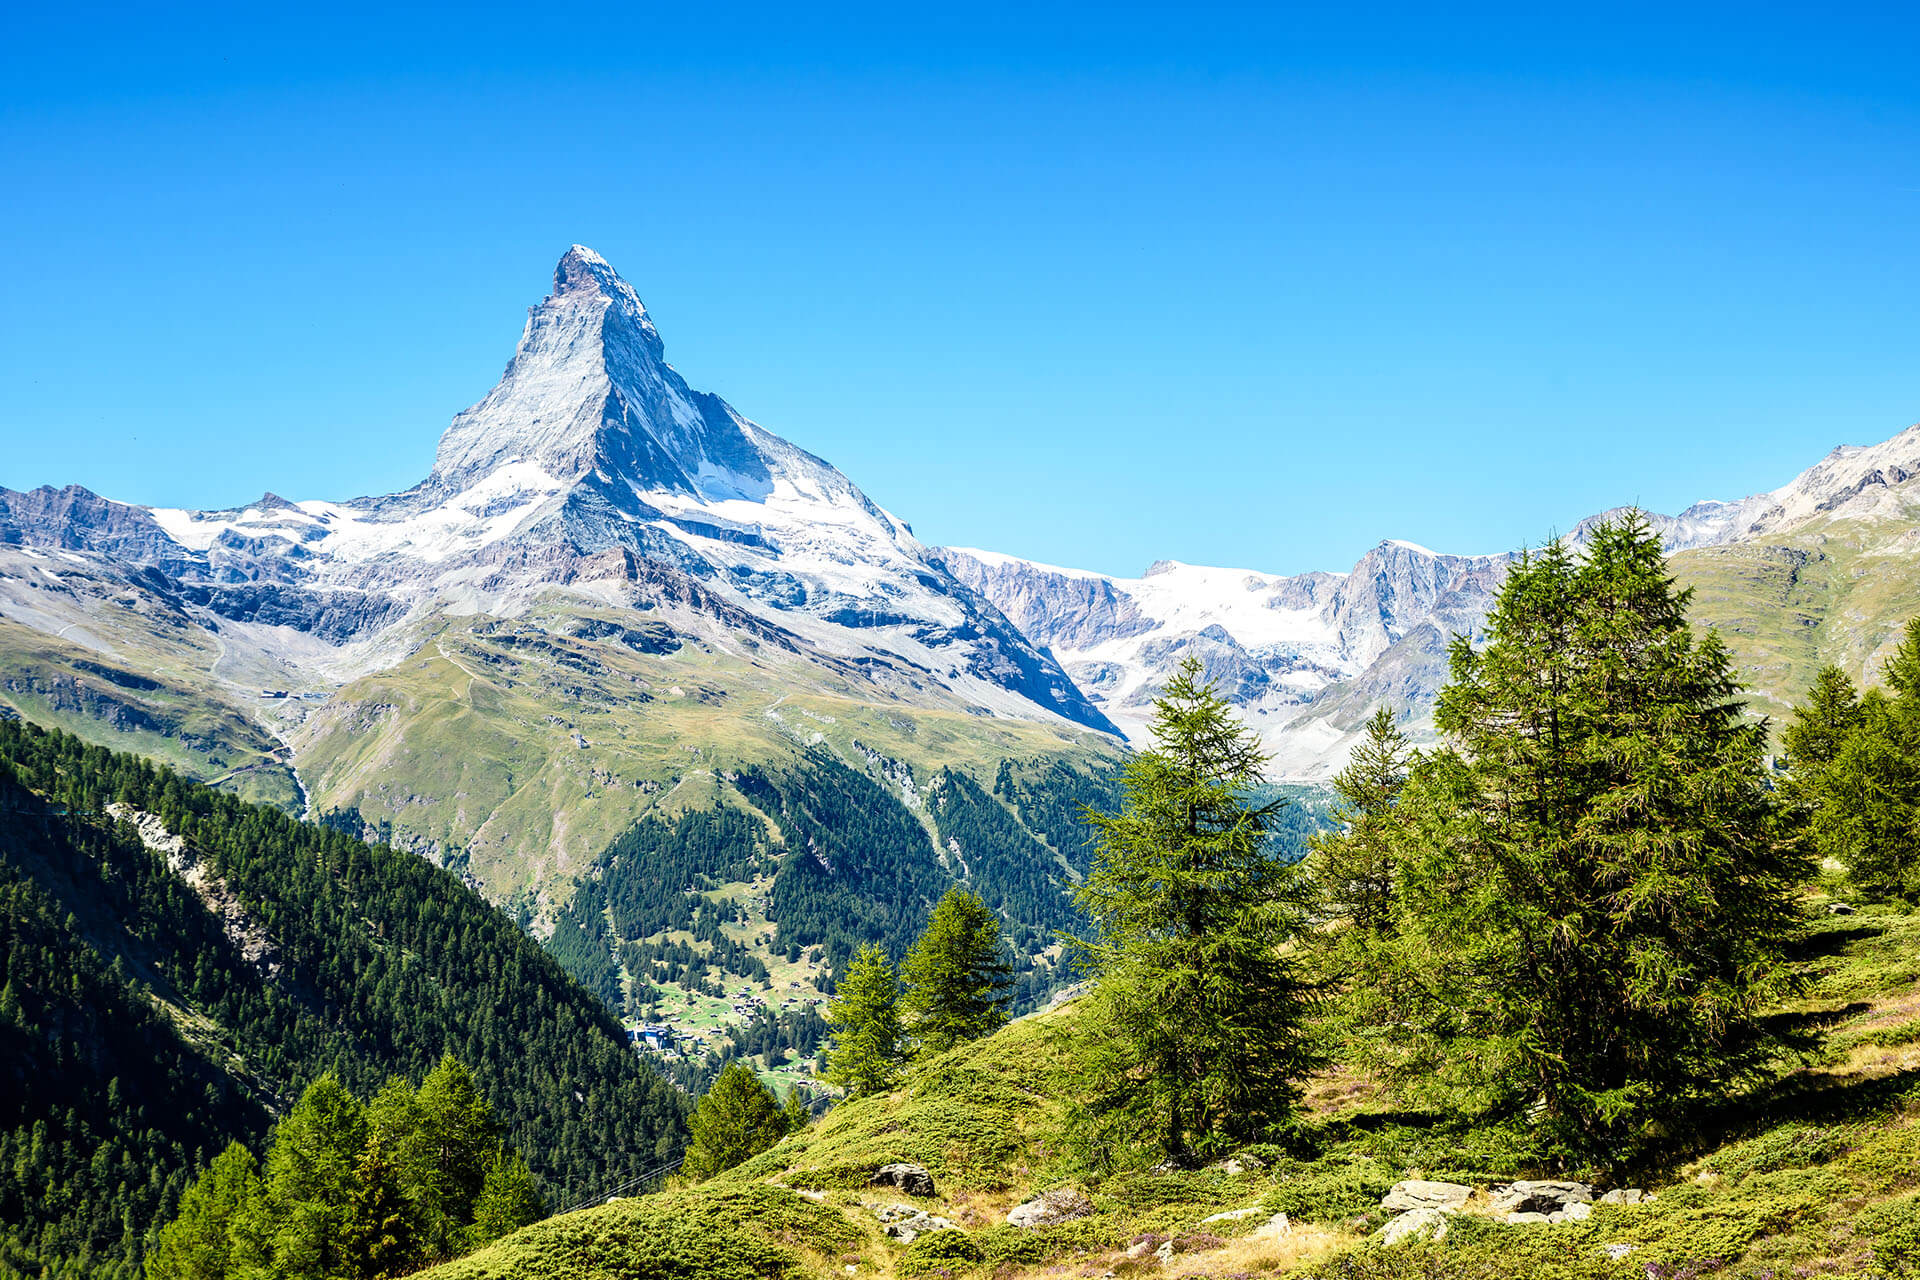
(919, 1223)
(1063, 1204)
(1164, 1253)
(1615, 1252)
(1414, 1224)
(1578, 1211)
(1277, 1225)
(1540, 1197)
(1528, 1219)
(912, 1179)
(1839, 909)
(1231, 1215)
(1625, 1195)
(1415, 1194)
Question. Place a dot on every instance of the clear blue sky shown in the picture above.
(1094, 285)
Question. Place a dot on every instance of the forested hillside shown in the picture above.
(179, 964)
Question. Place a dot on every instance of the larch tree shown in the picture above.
(958, 976)
(1353, 864)
(737, 1119)
(1202, 1007)
(1603, 892)
(865, 1020)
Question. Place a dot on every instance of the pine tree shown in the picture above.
(1866, 800)
(865, 1019)
(377, 1230)
(199, 1243)
(1822, 722)
(1354, 864)
(737, 1119)
(1603, 892)
(312, 1171)
(1203, 1010)
(447, 1152)
(799, 1115)
(509, 1199)
(957, 975)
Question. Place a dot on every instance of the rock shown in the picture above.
(913, 1179)
(1527, 1219)
(1416, 1194)
(1429, 1223)
(1839, 909)
(1139, 1249)
(1615, 1252)
(1627, 1195)
(1062, 1204)
(1277, 1225)
(1231, 1215)
(908, 1229)
(1540, 1197)
(1578, 1211)
(1164, 1252)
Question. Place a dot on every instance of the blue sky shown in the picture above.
(1093, 284)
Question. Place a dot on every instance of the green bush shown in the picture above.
(940, 1252)
(841, 1177)
(1025, 1246)
(1893, 1230)
(1792, 1146)
(1328, 1192)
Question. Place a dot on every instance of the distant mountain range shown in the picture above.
(1306, 658)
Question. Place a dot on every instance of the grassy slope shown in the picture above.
(1817, 1174)
(474, 742)
(1836, 591)
(140, 702)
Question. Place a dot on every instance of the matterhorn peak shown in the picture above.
(583, 273)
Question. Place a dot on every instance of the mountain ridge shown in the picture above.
(1307, 656)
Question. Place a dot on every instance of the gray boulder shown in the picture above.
(1625, 1195)
(912, 1179)
(916, 1223)
(1415, 1194)
(1063, 1204)
(1540, 1197)
(1415, 1224)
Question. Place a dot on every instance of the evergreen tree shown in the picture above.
(312, 1172)
(1604, 892)
(865, 1020)
(1204, 1011)
(377, 1230)
(199, 1244)
(1354, 863)
(1866, 800)
(737, 1119)
(509, 1199)
(957, 975)
(444, 1152)
(1822, 722)
(798, 1114)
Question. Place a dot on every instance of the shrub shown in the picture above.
(1327, 1193)
(940, 1251)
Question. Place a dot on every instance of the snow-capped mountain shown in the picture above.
(1307, 657)
(591, 466)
